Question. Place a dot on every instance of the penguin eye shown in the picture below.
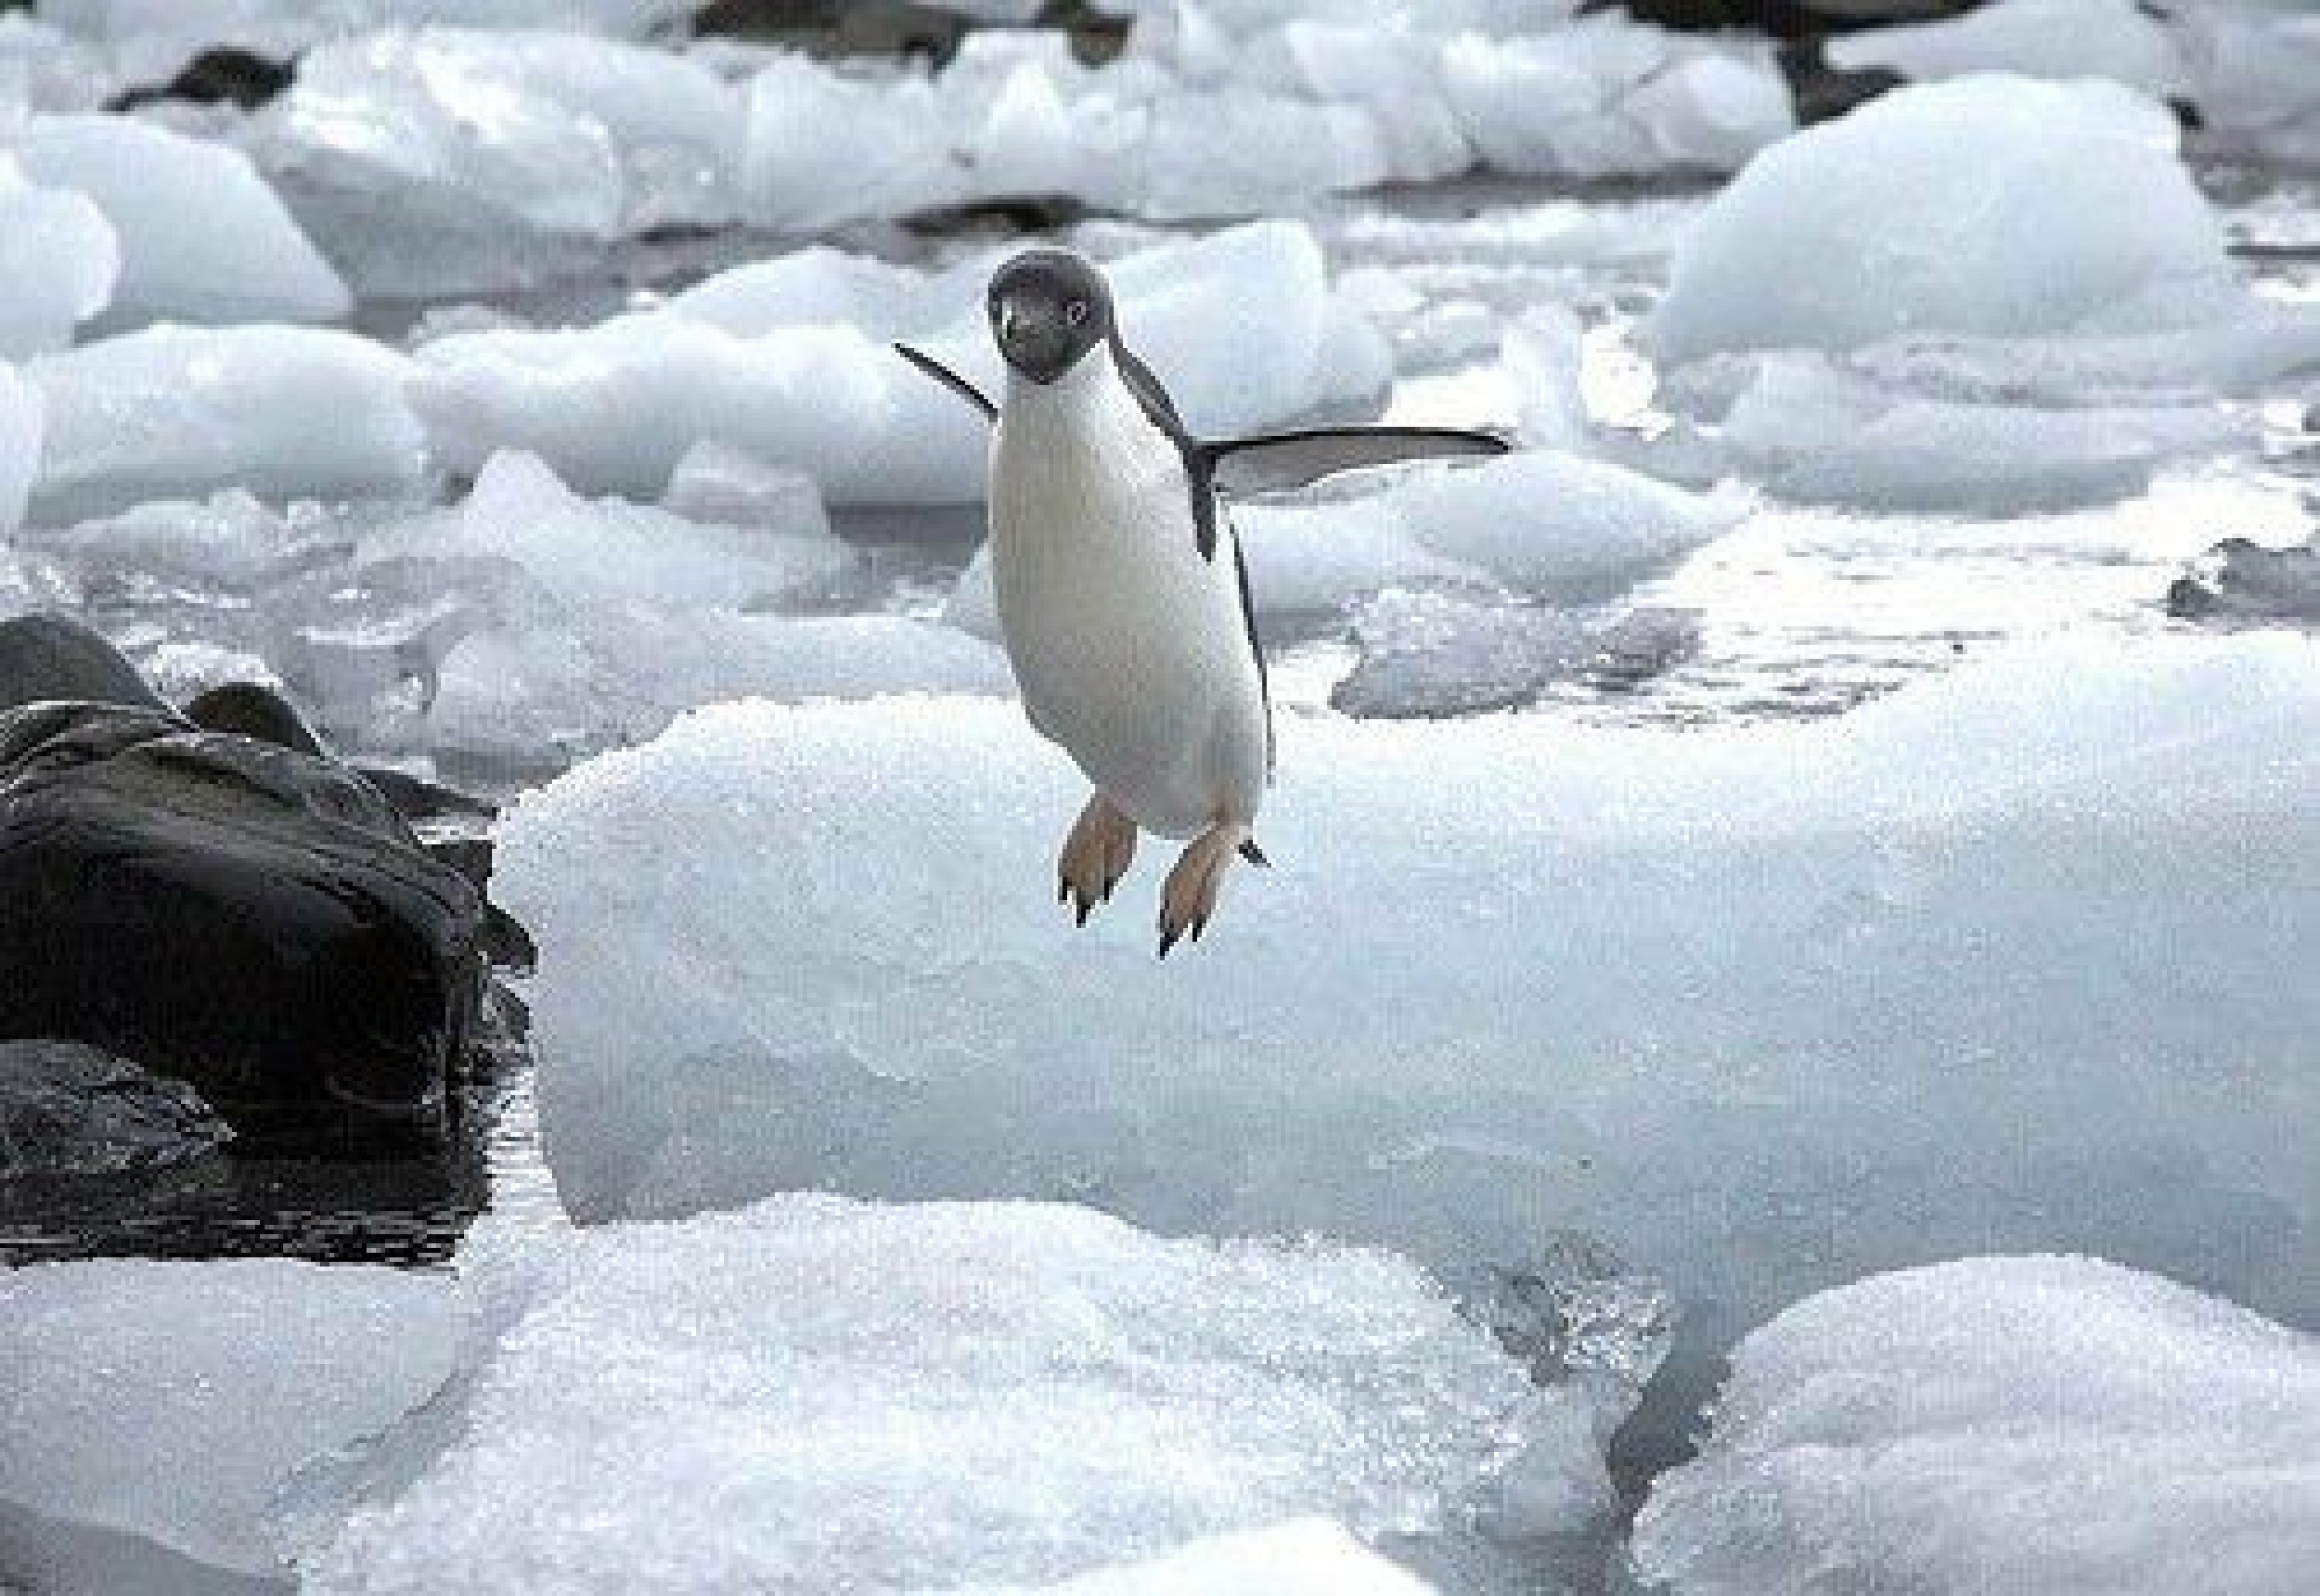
(1076, 312)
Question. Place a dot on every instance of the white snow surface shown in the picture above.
(178, 412)
(60, 258)
(812, 1395)
(790, 361)
(1984, 204)
(202, 237)
(1302, 1557)
(1506, 975)
(2003, 1427)
(168, 1402)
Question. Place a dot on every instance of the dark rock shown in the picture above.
(1782, 19)
(246, 709)
(67, 1109)
(2241, 581)
(246, 917)
(220, 74)
(1822, 92)
(47, 656)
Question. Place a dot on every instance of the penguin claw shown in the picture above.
(1096, 854)
(1168, 936)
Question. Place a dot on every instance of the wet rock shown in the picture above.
(242, 915)
(68, 1109)
(221, 75)
(2243, 581)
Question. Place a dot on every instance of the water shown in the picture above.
(1803, 611)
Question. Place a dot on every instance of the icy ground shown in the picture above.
(1870, 825)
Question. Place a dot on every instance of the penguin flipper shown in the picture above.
(949, 379)
(1277, 462)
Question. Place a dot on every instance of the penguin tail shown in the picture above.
(1254, 853)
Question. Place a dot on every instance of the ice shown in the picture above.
(2112, 38)
(230, 541)
(1506, 975)
(1891, 219)
(1302, 1557)
(2056, 1425)
(2256, 70)
(812, 1395)
(1435, 654)
(530, 622)
(715, 482)
(151, 40)
(58, 259)
(202, 237)
(1242, 324)
(1823, 430)
(154, 1409)
(43, 69)
(171, 412)
(66, 1108)
(1608, 97)
(22, 416)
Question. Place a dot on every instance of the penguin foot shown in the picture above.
(1190, 896)
(1096, 854)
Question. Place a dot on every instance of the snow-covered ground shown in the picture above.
(1870, 829)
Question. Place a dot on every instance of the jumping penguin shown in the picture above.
(1123, 595)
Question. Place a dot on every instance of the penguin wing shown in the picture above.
(949, 379)
(1275, 462)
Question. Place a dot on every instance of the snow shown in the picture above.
(168, 1402)
(1899, 219)
(2056, 1425)
(1302, 1558)
(2256, 70)
(1609, 97)
(748, 1400)
(2112, 38)
(201, 238)
(172, 410)
(60, 258)
(1242, 324)
(1505, 974)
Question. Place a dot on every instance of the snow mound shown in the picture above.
(2048, 1424)
(153, 1411)
(792, 365)
(1902, 217)
(812, 1395)
(202, 237)
(1304, 1557)
(281, 411)
(58, 258)
(1773, 1005)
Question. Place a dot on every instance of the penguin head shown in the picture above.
(1048, 308)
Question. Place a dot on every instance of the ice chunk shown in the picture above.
(282, 412)
(2113, 39)
(1435, 654)
(1880, 224)
(44, 70)
(228, 542)
(715, 482)
(1774, 1005)
(2255, 69)
(1818, 430)
(2049, 1424)
(22, 415)
(1606, 97)
(66, 1108)
(1242, 324)
(154, 1409)
(928, 1397)
(202, 237)
(58, 260)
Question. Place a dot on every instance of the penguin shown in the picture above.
(1123, 593)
